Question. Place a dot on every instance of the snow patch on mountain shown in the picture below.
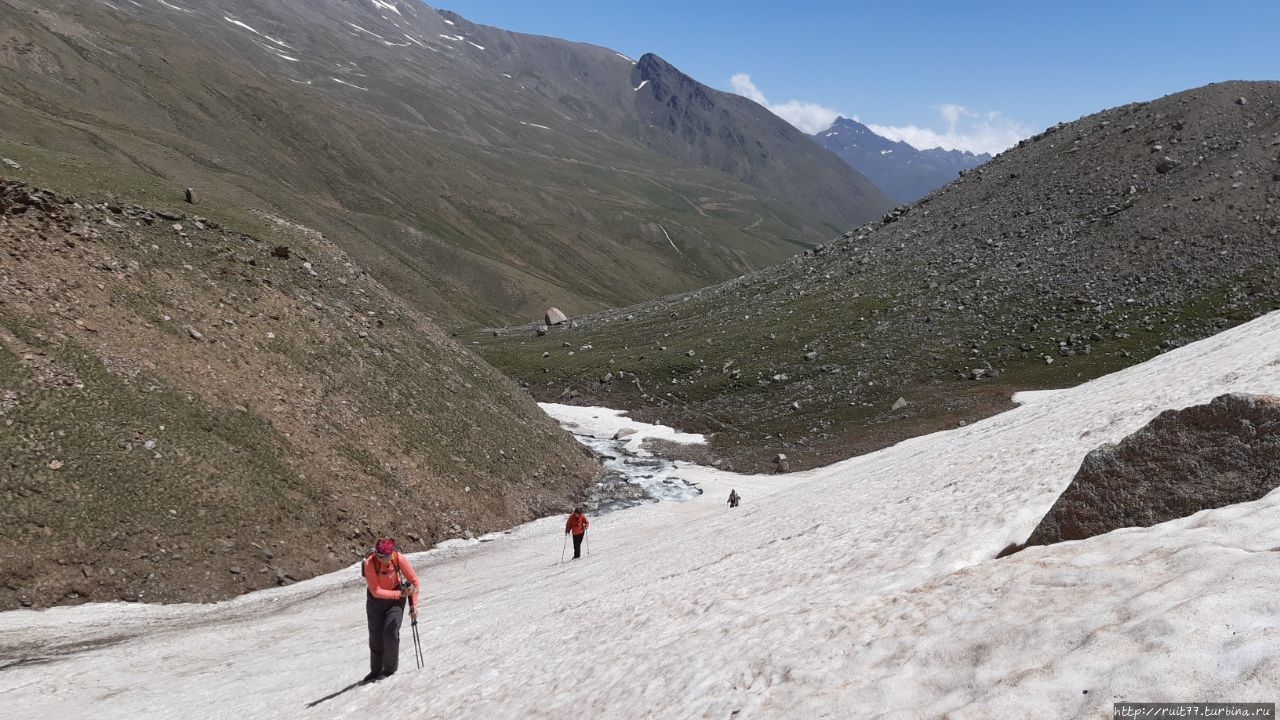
(370, 32)
(344, 82)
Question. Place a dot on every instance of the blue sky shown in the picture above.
(975, 75)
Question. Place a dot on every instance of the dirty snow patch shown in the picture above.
(447, 22)
(386, 6)
(282, 56)
(175, 7)
(642, 84)
(475, 45)
(544, 127)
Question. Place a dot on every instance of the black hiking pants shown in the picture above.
(384, 634)
(577, 545)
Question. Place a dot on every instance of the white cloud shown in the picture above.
(805, 116)
(966, 129)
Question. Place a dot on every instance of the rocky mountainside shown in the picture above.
(685, 119)
(1092, 246)
(188, 412)
(904, 173)
(480, 173)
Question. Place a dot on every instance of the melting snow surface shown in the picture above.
(1029, 396)
(865, 588)
(603, 423)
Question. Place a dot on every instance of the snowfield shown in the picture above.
(867, 588)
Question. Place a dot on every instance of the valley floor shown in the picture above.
(866, 588)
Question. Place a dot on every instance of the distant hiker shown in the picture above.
(577, 524)
(734, 497)
(384, 605)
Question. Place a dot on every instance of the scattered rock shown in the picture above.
(190, 195)
(1166, 164)
(11, 163)
(899, 404)
(553, 317)
(624, 432)
(194, 333)
(55, 464)
(280, 251)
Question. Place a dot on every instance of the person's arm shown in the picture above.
(407, 570)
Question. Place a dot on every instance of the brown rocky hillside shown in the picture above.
(188, 412)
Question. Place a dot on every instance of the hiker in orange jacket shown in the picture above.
(577, 524)
(384, 605)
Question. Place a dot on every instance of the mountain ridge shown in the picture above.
(904, 172)
(482, 174)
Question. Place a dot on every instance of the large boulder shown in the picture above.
(1182, 462)
(554, 317)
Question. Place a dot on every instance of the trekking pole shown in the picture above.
(564, 545)
(587, 542)
(417, 645)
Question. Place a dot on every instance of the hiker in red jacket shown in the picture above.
(577, 524)
(384, 605)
